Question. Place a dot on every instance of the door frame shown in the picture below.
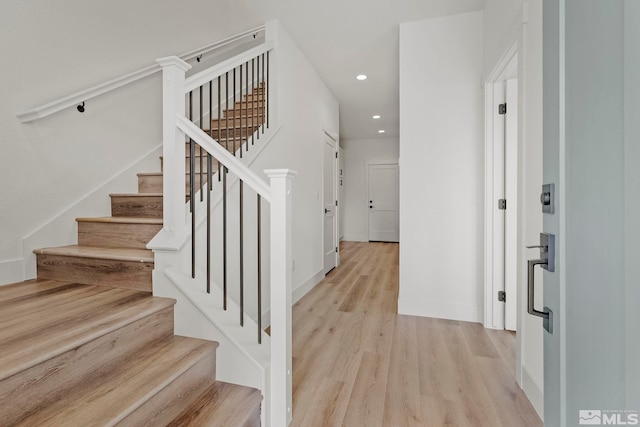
(495, 247)
(366, 188)
(516, 48)
(333, 140)
(341, 189)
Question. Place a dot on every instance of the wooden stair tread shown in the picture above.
(50, 318)
(223, 404)
(114, 394)
(156, 174)
(120, 254)
(17, 290)
(222, 140)
(135, 195)
(122, 220)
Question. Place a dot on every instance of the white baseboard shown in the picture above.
(11, 271)
(534, 392)
(440, 310)
(297, 293)
(355, 238)
(301, 290)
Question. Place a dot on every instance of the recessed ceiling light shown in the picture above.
(377, 116)
(361, 77)
(381, 131)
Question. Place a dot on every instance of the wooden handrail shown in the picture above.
(102, 88)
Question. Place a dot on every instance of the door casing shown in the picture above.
(332, 141)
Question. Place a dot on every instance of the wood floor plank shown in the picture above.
(333, 397)
(366, 403)
(474, 402)
(435, 363)
(403, 404)
(355, 295)
(505, 344)
(437, 412)
(372, 332)
(478, 340)
(507, 398)
(337, 275)
(400, 370)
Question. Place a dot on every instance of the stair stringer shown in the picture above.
(62, 229)
(240, 359)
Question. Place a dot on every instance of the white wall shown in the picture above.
(358, 153)
(306, 108)
(441, 167)
(502, 19)
(54, 49)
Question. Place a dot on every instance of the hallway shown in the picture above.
(356, 362)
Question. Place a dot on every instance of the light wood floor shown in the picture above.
(356, 362)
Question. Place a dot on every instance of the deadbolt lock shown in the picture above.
(547, 198)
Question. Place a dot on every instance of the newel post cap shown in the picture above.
(280, 173)
(174, 61)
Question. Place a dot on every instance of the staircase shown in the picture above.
(86, 343)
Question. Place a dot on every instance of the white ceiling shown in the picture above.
(343, 38)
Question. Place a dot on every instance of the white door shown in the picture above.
(330, 246)
(383, 183)
(591, 60)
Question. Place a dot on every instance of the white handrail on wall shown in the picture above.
(102, 88)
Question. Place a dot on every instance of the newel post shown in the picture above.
(281, 277)
(173, 146)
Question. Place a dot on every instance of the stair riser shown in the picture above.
(169, 402)
(214, 163)
(236, 123)
(255, 105)
(221, 135)
(223, 404)
(224, 142)
(154, 183)
(94, 271)
(136, 206)
(255, 98)
(116, 235)
(42, 384)
(255, 113)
